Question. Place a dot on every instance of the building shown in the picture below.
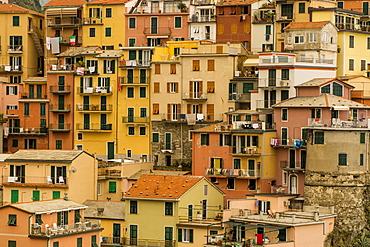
(202, 22)
(34, 175)
(181, 206)
(111, 214)
(54, 222)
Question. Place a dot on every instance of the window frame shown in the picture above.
(168, 208)
(284, 114)
(110, 13)
(12, 220)
(134, 207)
(351, 41)
(92, 32)
(108, 32)
(299, 39)
(204, 139)
(175, 20)
(319, 137)
(18, 22)
(132, 25)
(342, 159)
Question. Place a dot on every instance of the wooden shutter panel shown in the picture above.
(15, 90)
(113, 66)
(168, 87)
(11, 171)
(178, 111)
(155, 109)
(210, 112)
(168, 111)
(156, 87)
(157, 69)
(200, 87)
(219, 48)
(191, 89)
(176, 87)
(7, 90)
(211, 65)
(99, 81)
(200, 108)
(191, 237)
(105, 66)
(179, 237)
(188, 109)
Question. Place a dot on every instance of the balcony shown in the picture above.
(266, 104)
(33, 96)
(160, 31)
(147, 242)
(292, 165)
(246, 151)
(203, 18)
(15, 49)
(109, 173)
(94, 90)
(190, 118)
(93, 21)
(64, 21)
(252, 125)
(66, 40)
(337, 123)
(274, 82)
(135, 63)
(288, 142)
(34, 131)
(245, 173)
(199, 220)
(60, 127)
(11, 69)
(197, 96)
(62, 230)
(94, 127)
(58, 68)
(243, 97)
(61, 89)
(132, 119)
(138, 80)
(60, 108)
(2, 118)
(314, 60)
(94, 108)
(34, 180)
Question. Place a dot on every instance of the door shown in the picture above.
(168, 236)
(130, 114)
(86, 103)
(39, 91)
(86, 121)
(61, 121)
(272, 98)
(293, 185)
(190, 213)
(303, 159)
(291, 158)
(116, 233)
(272, 78)
(61, 102)
(31, 91)
(103, 121)
(130, 76)
(110, 150)
(36, 195)
(266, 99)
(251, 168)
(103, 103)
(154, 25)
(196, 90)
(61, 83)
(133, 234)
(143, 76)
(146, 58)
(211, 112)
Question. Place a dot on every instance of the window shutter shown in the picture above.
(99, 81)
(188, 108)
(191, 88)
(178, 111)
(105, 66)
(221, 140)
(156, 87)
(113, 66)
(107, 82)
(65, 218)
(168, 87)
(7, 90)
(200, 108)
(234, 144)
(201, 87)
(176, 87)
(191, 236)
(155, 109)
(168, 111)
(242, 142)
(268, 205)
(157, 68)
(179, 237)
(23, 173)
(12, 170)
(59, 218)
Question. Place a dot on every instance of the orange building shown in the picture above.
(48, 223)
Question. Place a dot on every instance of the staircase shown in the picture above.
(35, 34)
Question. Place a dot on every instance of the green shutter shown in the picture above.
(79, 242)
(112, 187)
(56, 244)
(179, 235)
(36, 195)
(342, 159)
(191, 236)
(12, 243)
(59, 218)
(99, 81)
(12, 170)
(362, 137)
(361, 159)
(38, 219)
(105, 66)
(81, 85)
(56, 194)
(268, 205)
(155, 137)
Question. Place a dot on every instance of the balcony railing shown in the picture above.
(188, 117)
(246, 151)
(337, 123)
(55, 230)
(93, 126)
(26, 95)
(109, 173)
(94, 90)
(15, 48)
(252, 125)
(232, 172)
(292, 165)
(147, 242)
(135, 63)
(64, 67)
(274, 82)
(83, 107)
(60, 107)
(10, 68)
(194, 96)
(66, 21)
(35, 180)
(67, 40)
(59, 126)
(92, 20)
(131, 119)
(159, 31)
(60, 89)
(28, 130)
(133, 80)
(298, 143)
(198, 219)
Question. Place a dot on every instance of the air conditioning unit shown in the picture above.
(286, 203)
(284, 83)
(237, 73)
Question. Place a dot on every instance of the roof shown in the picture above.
(110, 53)
(138, 174)
(162, 186)
(112, 210)
(55, 156)
(321, 81)
(236, 2)
(108, 2)
(324, 100)
(36, 79)
(75, 51)
(3, 157)
(55, 3)
(11, 7)
(306, 25)
(49, 206)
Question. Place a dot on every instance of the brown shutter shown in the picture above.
(176, 87)
(168, 87)
(188, 110)
(173, 69)
(211, 65)
(210, 86)
(196, 66)
(200, 87)
(157, 69)
(210, 112)
(156, 87)
(219, 49)
(191, 89)
(200, 107)
(178, 111)
(155, 109)
(168, 111)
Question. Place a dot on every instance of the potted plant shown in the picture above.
(269, 14)
(182, 7)
(218, 216)
(213, 17)
(80, 63)
(199, 215)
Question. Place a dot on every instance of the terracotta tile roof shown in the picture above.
(138, 174)
(321, 81)
(76, 51)
(162, 186)
(10, 7)
(235, 2)
(53, 3)
(58, 156)
(108, 2)
(306, 25)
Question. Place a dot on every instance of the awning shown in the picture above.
(251, 62)
(61, 11)
(157, 36)
(341, 108)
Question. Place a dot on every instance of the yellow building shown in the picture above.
(181, 206)
(21, 50)
(134, 103)
(104, 23)
(34, 175)
(111, 215)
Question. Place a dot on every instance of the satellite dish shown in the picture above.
(73, 169)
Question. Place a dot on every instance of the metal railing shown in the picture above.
(67, 40)
(66, 21)
(27, 130)
(35, 180)
(132, 119)
(93, 126)
(60, 88)
(92, 20)
(134, 80)
(232, 172)
(64, 67)
(274, 82)
(246, 151)
(292, 164)
(94, 107)
(159, 30)
(26, 95)
(94, 90)
(59, 126)
(337, 123)
(59, 107)
(55, 230)
(188, 117)
(288, 142)
(195, 96)
(135, 63)
(10, 68)
(148, 242)
(15, 48)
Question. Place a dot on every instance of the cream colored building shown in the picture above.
(34, 175)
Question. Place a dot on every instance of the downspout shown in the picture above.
(116, 105)
(343, 54)
(367, 151)
(29, 223)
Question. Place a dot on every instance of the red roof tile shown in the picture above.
(162, 186)
(108, 2)
(10, 7)
(52, 3)
(304, 25)
(235, 2)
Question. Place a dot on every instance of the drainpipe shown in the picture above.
(29, 223)
(116, 105)
(367, 151)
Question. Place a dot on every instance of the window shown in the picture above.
(131, 42)
(342, 159)
(302, 8)
(56, 195)
(316, 113)
(168, 140)
(79, 242)
(211, 65)
(217, 163)
(79, 147)
(155, 137)
(109, 66)
(362, 137)
(142, 92)
(155, 109)
(351, 64)
(130, 92)
(56, 244)
(185, 235)
(354, 114)
(285, 74)
(36, 195)
(237, 163)
(142, 131)
(108, 47)
(234, 28)
(205, 190)
(108, 12)
(92, 32)
(112, 187)
(79, 136)
(368, 43)
(210, 86)
(133, 207)
(172, 87)
(14, 195)
(196, 66)
(172, 68)
(131, 131)
(225, 140)
(324, 37)
(319, 137)
(268, 30)
(16, 22)
(26, 109)
(29, 143)
(11, 90)
(108, 32)
(58, 144)
(204, 139)
(93, 241)
(15, 143)
(157, 69)
(143, 112)
(178, 22)
(230, 183)
(252, 184)
(129, 153)
(131, 22)
(325, 89)
(284, 178)
(284, 136)
(313, 37)
(284, 114)
(168, 208)
(363, 64)
(15, 79)
(220, 28)
(42, 109)
(351, 41)
(299, 39)
(12, 243)
(12, 220)
(340, 5)
(94, 13)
